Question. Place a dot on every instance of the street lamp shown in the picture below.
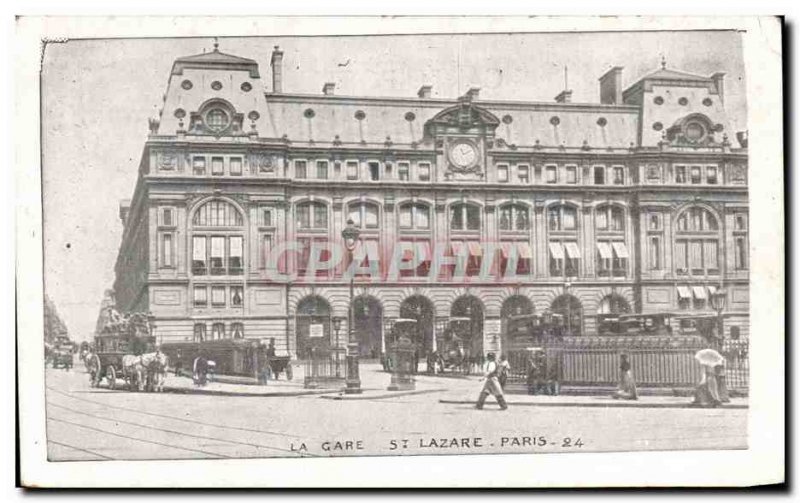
(337, 326)
(350, 236)
(717, 300)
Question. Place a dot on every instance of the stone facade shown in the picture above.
(635, 201)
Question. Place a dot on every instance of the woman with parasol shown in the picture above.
(706, 394)
(627, 386)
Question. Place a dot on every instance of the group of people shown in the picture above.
(712, 391)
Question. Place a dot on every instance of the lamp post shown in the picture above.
(337, 326)
(717, 300)
(350, 236)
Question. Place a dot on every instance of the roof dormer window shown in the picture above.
(217, 119)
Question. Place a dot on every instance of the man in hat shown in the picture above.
(491, 384)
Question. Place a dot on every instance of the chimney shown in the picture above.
(473, 93)
(564, 96)
(277, 70)
(328, 88)
(611, 87)
(719, 83)
(425, 91)
(124, 210)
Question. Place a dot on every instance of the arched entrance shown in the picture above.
(470, 329)
(570, 314)
(313, 325)
(512, 320)
(613, 304)
(421, 309)
(367, 325)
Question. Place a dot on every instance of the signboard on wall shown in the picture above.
(316, 330)
(491, 330)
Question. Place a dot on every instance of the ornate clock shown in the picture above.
(464, 156)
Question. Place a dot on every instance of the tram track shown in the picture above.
(175, 432)
(177, 418)
(81, 449)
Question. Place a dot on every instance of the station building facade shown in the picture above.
(638, 203)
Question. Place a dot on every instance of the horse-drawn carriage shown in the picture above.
(60, 353)
(124, 349)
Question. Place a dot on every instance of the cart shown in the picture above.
(131, 336)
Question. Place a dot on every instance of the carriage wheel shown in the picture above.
(289, 372)
(111, 375)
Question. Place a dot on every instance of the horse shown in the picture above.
(156, 367)
(133, 371)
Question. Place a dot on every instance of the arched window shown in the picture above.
(514, 217)
(609, 218)
(313, 325)
(562, 218)
(217, 239)
(364, 215)
(697, 245)
(465, 217)
(697, 219)
(415, 216)
(311, 215)
(567, 315)
(217, 213)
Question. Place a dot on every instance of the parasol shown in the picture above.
(709, 357)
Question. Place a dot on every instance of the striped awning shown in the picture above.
(525, 251)
(699, 292)
(572, 250)
(620, 249)
(557, 251)
(684, 292)
(475, 249)
(604, 250)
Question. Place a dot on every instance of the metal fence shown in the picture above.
(655, 362)
(325, 368)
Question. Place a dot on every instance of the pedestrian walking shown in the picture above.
(200, 370)
(503, 369)
(722, 387)
(626, 390)
(491, 385)
(706, 394)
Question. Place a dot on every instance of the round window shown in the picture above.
(410, 117)
(360, 115)
(217, 119)
(186, 84)
(658, 100)
(707, 102)
(253, 115)
(246, 86)
(180, 113)
(507, 119)
(555, 120)
(695, 131)
(683, 102)
(602, 122)
(216, 85)
(658, 126)
(309, 113)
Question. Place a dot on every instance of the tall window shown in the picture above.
(199, 332)
(514, 217)
(740, 250)
(311, 215)
(352, 170)
(619, 175)
(322, 170)
(363, 215)
(424, 171)
(524, 173)
(562, 218)
(374, 171)
(599, 175)
(571, 174)
(237, 330)
(217, 240)
(218, 331)
(415, 216)
(609, 218)
(199, 165)
(465, 217)
(217, 166)
(300, 169)
(236, 166)
(551, 174)
(697, 243)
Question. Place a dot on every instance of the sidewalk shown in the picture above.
(648, 402)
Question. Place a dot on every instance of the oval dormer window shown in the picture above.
(217, 119)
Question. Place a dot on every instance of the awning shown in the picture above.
(572, 250)
(605, 251)
(712, 289)
(684, 292)
(475, 249)
(557, 251)
(620, 249)
(505, 248)
(525, 251)
(408, 251)
(699, 292)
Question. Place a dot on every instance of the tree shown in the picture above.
(54, 326)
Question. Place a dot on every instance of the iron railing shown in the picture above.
(325, 368)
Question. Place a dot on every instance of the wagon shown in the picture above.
(231, 357)
(110, 348)
(62, 357)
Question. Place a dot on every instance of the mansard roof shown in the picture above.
(215, 60)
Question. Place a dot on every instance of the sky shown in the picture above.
(98, 94)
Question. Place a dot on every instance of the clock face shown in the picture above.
(463, 154)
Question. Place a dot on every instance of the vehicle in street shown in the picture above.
(232, 357)
(61, 354)
(117, 351)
